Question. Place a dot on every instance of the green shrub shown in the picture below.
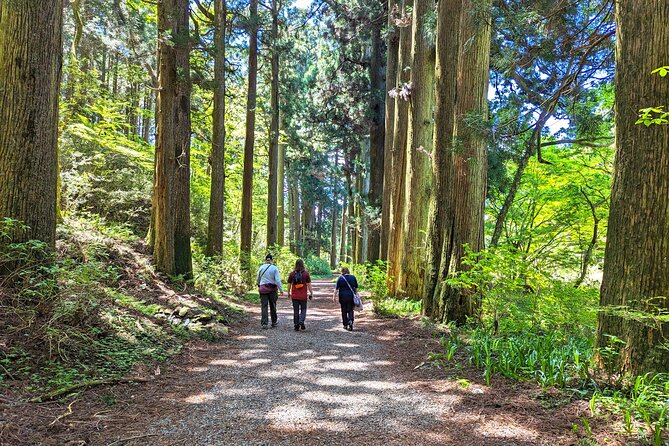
(517, 296)
(318, 266)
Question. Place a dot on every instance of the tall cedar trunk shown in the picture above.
(30, 69)
(441, 209)
(391, 78)
(350, 229)
(419, 148)
(146, 120)
(335, 219)
(281, 180)
(272, 187)
(469, 158)
(171, 194)
(343, 227)
(297, 235)
(217, 158)
(636, 263)
(376, 140)
(401, 122)
(249, 140)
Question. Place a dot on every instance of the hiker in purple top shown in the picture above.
(346, 287)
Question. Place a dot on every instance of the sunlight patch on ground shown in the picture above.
(252, 352)
(383, 362)
(345, 345)
(330, 381)
(503, 427)
(200, 398)
(245, 337)
(198, 369)
(289, 413)
(349, 365)
(381, 385)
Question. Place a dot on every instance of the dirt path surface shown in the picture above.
(322, 386)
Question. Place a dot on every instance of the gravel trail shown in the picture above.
(323, 386)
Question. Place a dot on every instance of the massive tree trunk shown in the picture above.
(636, 263)
(281, 206)
(343, 227)
(217, 158)
(441, 219)
(391, 78)
(247, 181)
(419, 148)
(171, 195)
(399, 152)
(272, 187)
(470, 162)
(30, 69)
(334, 260)
(376, 142)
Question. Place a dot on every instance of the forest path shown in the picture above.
(322, 386)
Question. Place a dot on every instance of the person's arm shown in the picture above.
(290, 285)
(334, 293)
(311, 291)
(277, 279)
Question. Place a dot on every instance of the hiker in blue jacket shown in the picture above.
(346, 287)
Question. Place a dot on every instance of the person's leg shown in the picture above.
(344, 313)
(273, 297)
(349, 313)
(303, 313)
(296, 313)
(264, 301)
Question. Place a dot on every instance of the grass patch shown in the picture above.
(391, 307)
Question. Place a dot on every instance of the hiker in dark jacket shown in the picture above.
(346, 287)
(299, 289)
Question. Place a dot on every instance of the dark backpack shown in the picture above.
(297, 279)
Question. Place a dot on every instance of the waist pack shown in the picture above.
(267, 288)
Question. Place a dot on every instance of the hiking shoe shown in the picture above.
(275, 324)
(349, 327)
(263, 326)
(297, 327)
(302, 326)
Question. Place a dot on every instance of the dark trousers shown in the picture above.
(299, 311)
(346, 311)
(265, 300)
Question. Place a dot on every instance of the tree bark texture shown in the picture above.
(391, 79)
(376, 141)
(469, 157)
(399, 152)
(281, 201)
(419, 148)
(30, 71)
(272, 187)
(441, 218)
(171, 194)
(249, 140)
(636, 262)
(217, 158)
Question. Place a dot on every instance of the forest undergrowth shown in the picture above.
(98, 312)
(534, 326)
